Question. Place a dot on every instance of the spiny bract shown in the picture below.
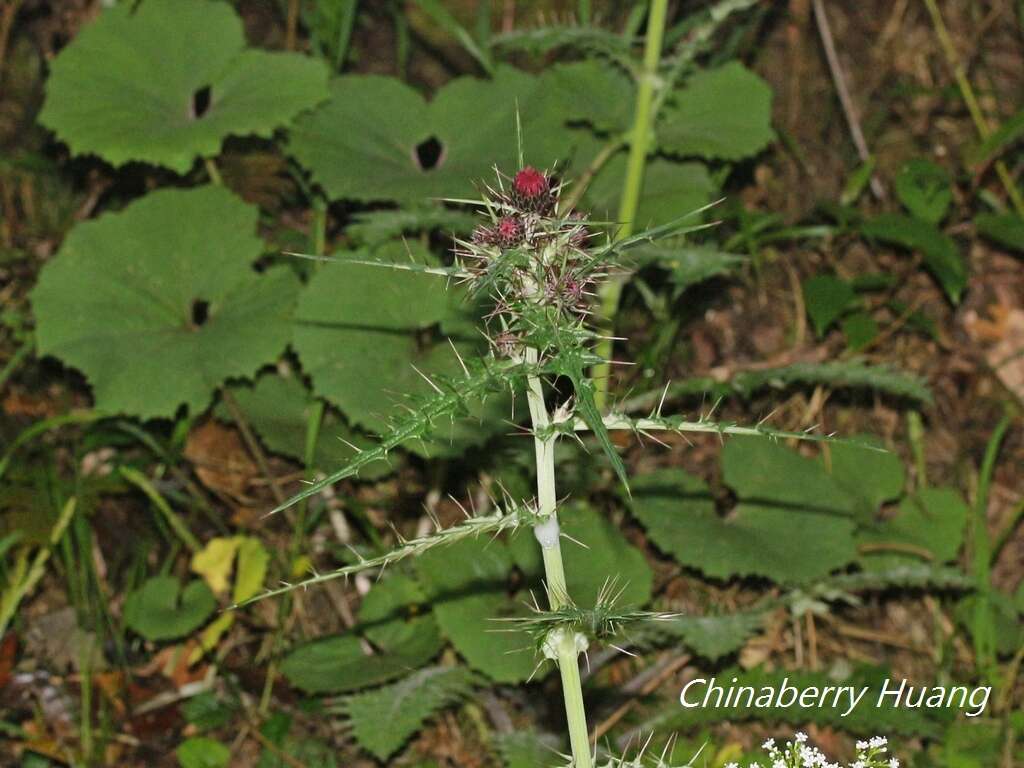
(532, 259)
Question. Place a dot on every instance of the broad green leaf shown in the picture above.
(374, 228)
(722, 113)
(925, 189)
(159, 303)
(340, 664)
(206, 711)
(202, 752)
(131, 85)
(393, 613)
(826, 299)
(355, 332)
(602, 556)
(161, 610)
(368, 335)
(468, 584)
(527, 749)
(472, 120)
(930, 525)
(383, 719)
(712, 636)
(860, 329)
(688, 264)
(941, 255)
(592, 91)
(793, 522)
(763, 471)
(872, 476)
(670, 190)
(278, 408)
(1005, 228)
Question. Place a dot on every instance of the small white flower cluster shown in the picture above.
(798, 754)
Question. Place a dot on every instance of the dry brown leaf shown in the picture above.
(221, 461)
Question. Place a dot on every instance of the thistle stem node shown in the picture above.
(547, 532)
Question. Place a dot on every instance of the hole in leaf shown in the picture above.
(429, 153)
(200, 313)
(200, 102)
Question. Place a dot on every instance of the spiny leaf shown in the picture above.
(852, 373)
(582, 38)
(383, 719)
(706, 425)
(471, 527)
(130, 85)
(483, 379)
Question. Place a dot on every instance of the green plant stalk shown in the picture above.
(30, 576)
(583, 12)
(174, 520)
(554, 572)
(639, 144)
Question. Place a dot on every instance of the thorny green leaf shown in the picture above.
(383, 719)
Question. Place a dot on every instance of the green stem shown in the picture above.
(583, 12)
(572, 692)
(638, 147)
(554, 570)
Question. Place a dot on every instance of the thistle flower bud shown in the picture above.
(510, 232)
(531, 191)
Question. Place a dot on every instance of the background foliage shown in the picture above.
(169, 374)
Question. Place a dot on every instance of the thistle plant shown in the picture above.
(536, 265)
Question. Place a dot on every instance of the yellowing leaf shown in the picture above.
(210, 636)
(252, 568)
(214, 561)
